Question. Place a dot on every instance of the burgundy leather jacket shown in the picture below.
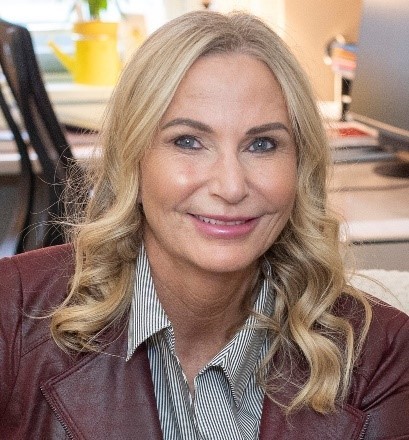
(47, 394)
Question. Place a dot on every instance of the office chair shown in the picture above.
(12, 241)
(46, 137)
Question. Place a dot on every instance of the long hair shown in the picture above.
(307, 278)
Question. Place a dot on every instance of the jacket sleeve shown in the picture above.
(384, 386)
(10, 328)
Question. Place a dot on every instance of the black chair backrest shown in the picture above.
(22, 73)
(13, 237)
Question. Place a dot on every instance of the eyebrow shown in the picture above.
(189, 123)
(272, 126)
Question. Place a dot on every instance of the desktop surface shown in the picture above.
(374, 214)
(77, 105)
(375, 207)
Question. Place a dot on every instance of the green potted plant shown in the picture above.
(95, 7)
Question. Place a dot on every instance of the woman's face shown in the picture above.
(219, 183)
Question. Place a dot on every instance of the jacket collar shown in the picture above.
(88, 408)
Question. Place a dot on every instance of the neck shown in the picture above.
(196, 301)
(205, 309)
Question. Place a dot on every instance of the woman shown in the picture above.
(204, 294)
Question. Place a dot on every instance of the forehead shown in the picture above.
(226, 69)
(225, 82)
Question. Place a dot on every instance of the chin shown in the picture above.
(223, 264)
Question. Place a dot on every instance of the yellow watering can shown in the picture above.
(96, 58)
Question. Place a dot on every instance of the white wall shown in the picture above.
(309, 25)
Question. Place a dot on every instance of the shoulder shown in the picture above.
(382, 368)
(32, 284)
(32, 261)
(387, 321)
(388, 338)
(386, 318)
(380, 383)
(385, 350)
(36, 269)
(35, 274)
(388, 328)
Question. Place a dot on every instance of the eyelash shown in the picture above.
(192, 140)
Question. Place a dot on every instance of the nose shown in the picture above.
(228, 178)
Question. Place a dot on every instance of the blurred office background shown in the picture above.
(306, 26)
(372, 206)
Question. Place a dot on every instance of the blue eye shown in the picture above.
(260, 145)
(187, 142)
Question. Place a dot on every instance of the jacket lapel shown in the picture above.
(103, 396)
(346, 424)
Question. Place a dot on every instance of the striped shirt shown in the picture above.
(227, 401)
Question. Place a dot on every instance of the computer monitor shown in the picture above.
(380, 89)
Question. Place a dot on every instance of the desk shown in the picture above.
(88, 116)
(83, 148)
(79, 105)
(373, 204)
(75, 104)
(375, 214)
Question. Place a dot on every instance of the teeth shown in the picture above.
(212, 221)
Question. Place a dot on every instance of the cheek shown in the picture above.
(167, 180)
(282, 199)
(280, 186)
(152, 179)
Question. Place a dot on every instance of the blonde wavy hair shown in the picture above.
(308, 276)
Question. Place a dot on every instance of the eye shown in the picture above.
(187, 142)
(261, 145)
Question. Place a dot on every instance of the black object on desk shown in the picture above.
(46, 137)
(361, 154)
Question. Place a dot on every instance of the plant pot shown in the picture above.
(96, 59)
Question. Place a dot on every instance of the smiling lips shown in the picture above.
(225, 228)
